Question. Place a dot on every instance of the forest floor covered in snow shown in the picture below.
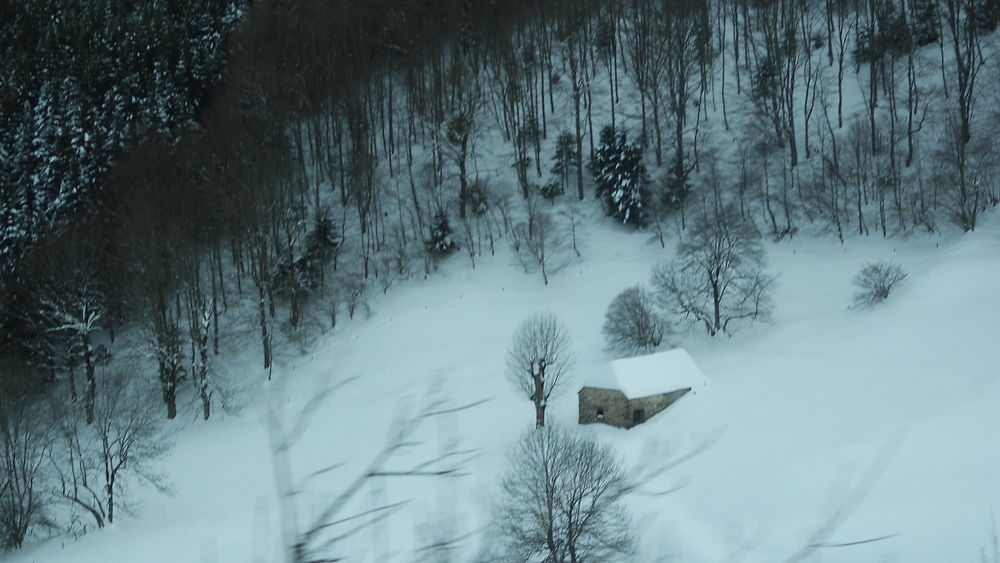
(825, 429)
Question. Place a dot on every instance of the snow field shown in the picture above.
(882, 421)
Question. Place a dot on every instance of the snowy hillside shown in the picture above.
(832, 426)
(365, 252)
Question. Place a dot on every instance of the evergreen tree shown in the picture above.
(983, 15)
(440, 241)
(924, 21)
(895, 30)
(891, 35)
(622, 181)
(83, 81)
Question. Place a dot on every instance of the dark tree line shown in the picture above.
(341, 138)
(167, 188)
(83, 82)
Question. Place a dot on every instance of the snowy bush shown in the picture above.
(631, 323)
(479, 197)
(551, 190)
(875, 282)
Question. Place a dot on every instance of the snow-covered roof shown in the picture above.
(652, 374)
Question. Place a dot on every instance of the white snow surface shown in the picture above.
(830, 426)
(650, 374)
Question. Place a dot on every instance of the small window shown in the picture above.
(600, 414)
(638, 416)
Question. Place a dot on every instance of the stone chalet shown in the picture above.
(633, 390)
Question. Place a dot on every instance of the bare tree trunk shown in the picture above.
(539, 415)
(265, 337)
(90, 393)
(579, 138)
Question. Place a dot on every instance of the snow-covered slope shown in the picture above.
(831, 426)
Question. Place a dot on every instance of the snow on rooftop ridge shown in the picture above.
(651, 374)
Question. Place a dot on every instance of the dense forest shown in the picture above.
(176, 171)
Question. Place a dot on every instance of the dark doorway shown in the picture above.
(600, 414)
(638, 416)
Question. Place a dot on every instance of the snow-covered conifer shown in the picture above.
(622, 181)
(440, 241)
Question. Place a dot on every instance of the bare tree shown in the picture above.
(77, 317)
(970, 166)
(338, 519)
(199, 308)
(631, 323)
(571, 32)
(166, 342)
(572, 214)
(968, 58)
(718, 277)
(461, 130)
(776, 75)
(562, 500)
(25, 440)
(67, 306)
(649, 65)
(679, 26)
(97, 465)
(541, 243)
(540, 360)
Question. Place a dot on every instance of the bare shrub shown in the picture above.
(631, 323)
(25, 441)
(353, 290)
(875, 282)
(98, 465)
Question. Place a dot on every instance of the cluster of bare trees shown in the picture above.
(310, 183)
(562, 495)
(904, 160)
(70, 465)
(717, 281)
